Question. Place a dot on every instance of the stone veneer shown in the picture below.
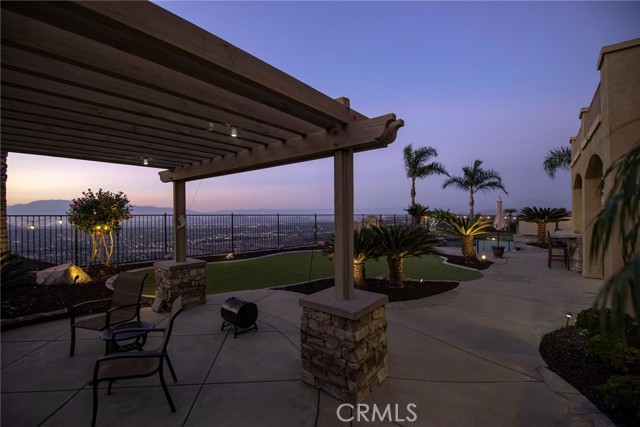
(344, 343)
(576, 257)
(181, 278)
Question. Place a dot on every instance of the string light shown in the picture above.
(234, 131)
(145, 161)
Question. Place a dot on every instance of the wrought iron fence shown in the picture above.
(46, 240)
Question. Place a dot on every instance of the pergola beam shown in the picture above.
(28, 67)
(154, 33)
(180, 76)
(359, 136)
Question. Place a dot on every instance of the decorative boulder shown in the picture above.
(64, 274)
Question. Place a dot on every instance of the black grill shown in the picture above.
(239, 313)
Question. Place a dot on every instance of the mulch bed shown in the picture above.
(411, 289)
(563, 351)
(24, 297)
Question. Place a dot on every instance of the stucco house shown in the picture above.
(609, 129)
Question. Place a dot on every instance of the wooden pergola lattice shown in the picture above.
(130, 83)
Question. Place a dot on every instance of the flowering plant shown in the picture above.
(99, 215)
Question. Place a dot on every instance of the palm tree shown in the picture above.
(467, 229)
(417, 212)
(620, 219)
(366, 246)
(475, 179)
(398, 242)
(556, 159)
(439, 216)
(542, 217)
(416, 166)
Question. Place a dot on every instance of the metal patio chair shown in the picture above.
(137, 364)
(124, 305)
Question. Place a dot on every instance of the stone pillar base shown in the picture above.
(344, 343)
(181, 278)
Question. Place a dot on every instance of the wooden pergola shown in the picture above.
(132, 84)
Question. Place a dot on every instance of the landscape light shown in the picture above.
(32, 226)
(145, 161)
(484, 257)
(234, 131)
(568, 318)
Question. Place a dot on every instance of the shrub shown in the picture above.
(614, 353)
(622, 392)
(587, 322)
(592, 322)
(99, 215)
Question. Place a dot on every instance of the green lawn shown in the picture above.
(293, 267)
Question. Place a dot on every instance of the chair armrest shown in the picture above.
(111, 310)
(124, 331)
(71, 309)
(130, 355)
(95, 301)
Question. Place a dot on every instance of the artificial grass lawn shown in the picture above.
(293, 267)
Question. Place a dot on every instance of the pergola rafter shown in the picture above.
(120, 82)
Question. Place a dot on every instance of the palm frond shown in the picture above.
(557, 159)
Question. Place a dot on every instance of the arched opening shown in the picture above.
(576, 201)
(592, 200)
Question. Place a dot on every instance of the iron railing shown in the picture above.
(46, 240)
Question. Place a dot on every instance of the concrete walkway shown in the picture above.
(468, 357)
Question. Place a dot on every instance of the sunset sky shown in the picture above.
(501, 82)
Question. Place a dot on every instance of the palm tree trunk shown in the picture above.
(359, 275)
(396, 266)
(468, 250)
(471, 203)
(542, 231)
(413, 191)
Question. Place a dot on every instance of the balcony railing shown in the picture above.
(46, 240)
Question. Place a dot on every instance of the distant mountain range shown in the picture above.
(60, 207)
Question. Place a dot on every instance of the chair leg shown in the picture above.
(109, 388)
(173, 373)
(73, 341)
(95, 403)
(166, 390)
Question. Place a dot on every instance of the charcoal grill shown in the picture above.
(240, 314)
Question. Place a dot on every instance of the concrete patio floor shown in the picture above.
(468, 357)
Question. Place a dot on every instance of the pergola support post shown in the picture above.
(343, 333)
(343, 207)
(181, 276)
(179, 221)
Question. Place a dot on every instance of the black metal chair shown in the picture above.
(557, 251)
(137, 364)
(123, 306)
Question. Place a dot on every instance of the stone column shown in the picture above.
(181, 278)
(344, 343)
